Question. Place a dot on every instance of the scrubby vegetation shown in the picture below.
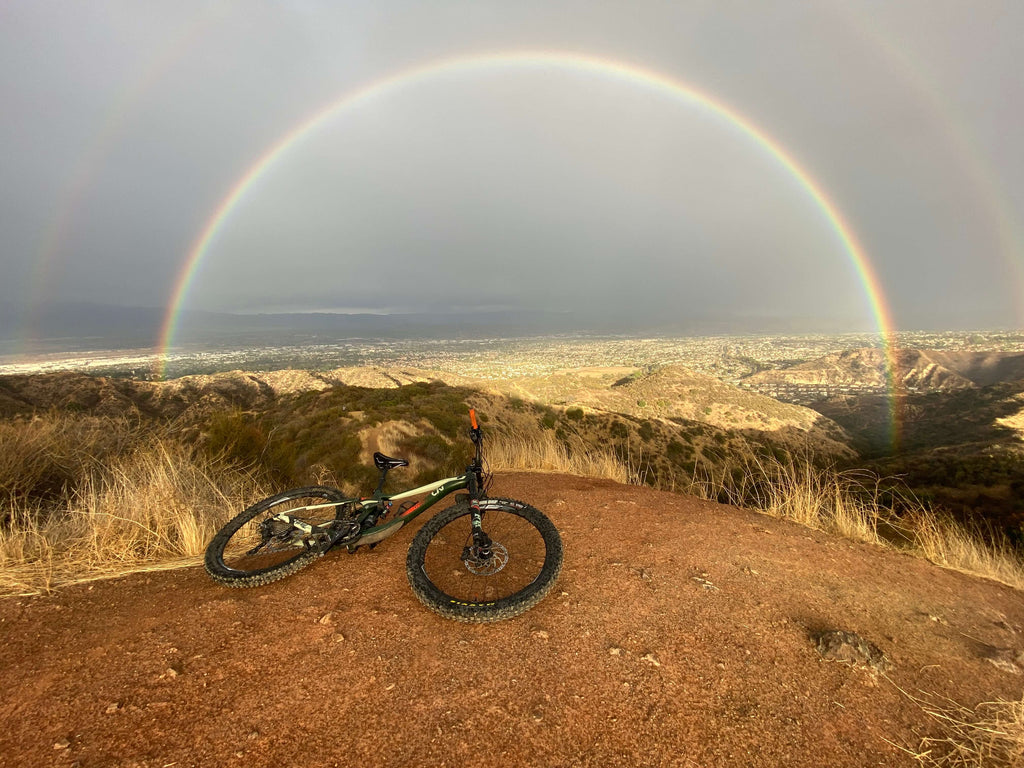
(990, 734)
(88, 495)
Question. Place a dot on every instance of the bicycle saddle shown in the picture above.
(386, 462)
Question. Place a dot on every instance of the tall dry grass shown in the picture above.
(46, 454)
(156, 505)
(950, 544)
(844, 503)
(859, 506)
(856, 505)
(989, 735)
(87, 497)
(549, 454)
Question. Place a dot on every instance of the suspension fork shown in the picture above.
(481, 541)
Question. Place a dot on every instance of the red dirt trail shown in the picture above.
(680, 633)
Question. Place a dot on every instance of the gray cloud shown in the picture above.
(126, 125)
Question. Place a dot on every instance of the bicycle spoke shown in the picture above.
(266, 541)
(515, 559)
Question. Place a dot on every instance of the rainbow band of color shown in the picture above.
(527, 60)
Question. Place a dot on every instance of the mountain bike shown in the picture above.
(481, 559)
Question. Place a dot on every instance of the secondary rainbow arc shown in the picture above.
(537, 59)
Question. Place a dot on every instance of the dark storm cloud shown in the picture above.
(125, 125)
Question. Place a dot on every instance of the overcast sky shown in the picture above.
(123, 127)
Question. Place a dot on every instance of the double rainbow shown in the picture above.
(536, 60)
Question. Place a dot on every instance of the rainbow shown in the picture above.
(974, 162)
(102, 142)
(564, 61)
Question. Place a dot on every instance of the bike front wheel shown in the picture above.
(273, 538)
(454, 576)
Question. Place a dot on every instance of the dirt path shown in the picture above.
(680, 633)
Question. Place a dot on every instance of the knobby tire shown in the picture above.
(232, 575)
(448, 586)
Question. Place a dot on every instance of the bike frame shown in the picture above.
(380, 504)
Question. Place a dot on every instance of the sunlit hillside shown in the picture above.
(104, 475)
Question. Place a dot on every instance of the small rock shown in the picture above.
(112, 708)
(61, 744)
(850, 648)
(1004, 659)
(706, 584)
(327, 618)
(338, 637)
(614, 651)
(540, 634)
(390, 687)
(169, 674)
(650, 658)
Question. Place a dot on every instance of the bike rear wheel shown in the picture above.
(451, 577)
(257, 547)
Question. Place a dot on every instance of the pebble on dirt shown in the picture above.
(850, 648)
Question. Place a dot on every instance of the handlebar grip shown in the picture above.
(472, 418)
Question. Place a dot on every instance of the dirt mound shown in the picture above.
(680, 633)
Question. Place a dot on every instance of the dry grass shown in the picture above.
(89, 497)
(989, 736)
(156, 507)
(854, 505)
(843, 503)
(548, 454)
(44, 455)
(947, 543)
(850, 504)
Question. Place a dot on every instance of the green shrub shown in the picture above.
(675, 449)
(237, 437)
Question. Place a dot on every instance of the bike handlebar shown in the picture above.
(472, 418)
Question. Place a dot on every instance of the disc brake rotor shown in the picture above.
(486, 566)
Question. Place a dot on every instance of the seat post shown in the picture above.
(380, 486)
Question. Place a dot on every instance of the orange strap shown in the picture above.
(472, 418)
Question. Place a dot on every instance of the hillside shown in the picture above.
(676, 394)
(962, 450)
(959, 437)
(666, 424)
(867, 368)
(680, 633)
